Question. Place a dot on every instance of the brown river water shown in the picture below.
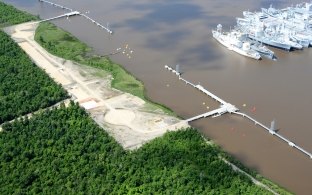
(179, 32)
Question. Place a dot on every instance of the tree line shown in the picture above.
(62, 151)
(9, 15)
(24, 87)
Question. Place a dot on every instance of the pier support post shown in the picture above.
(177, 68)
(272, 128)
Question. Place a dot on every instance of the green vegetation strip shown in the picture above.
(62, 151)
(24, 87)
(276, 188)
(9, 15)
(65, 45)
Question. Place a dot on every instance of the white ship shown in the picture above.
(232, 42)
(271, 34)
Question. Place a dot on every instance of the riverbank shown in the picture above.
(100, 73)
(65, 73)
(64, 45)
(53, 35)
(131, 120)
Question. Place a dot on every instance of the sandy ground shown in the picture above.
(126, 117)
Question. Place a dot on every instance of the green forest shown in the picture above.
(24, 87)
(62, 151)
(9, 15)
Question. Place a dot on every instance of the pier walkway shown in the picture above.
(98, 24)
(214, 113)
(225, 107)
(72, 13)
(61, 16)
(56, 5)
(229, 108)
(273, 132)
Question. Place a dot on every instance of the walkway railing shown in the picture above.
(229, 108)
(56, 5)
(61, 16)
(272, 132)
(75, 13)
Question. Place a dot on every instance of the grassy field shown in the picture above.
(64, 45)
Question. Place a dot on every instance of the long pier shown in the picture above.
(56, 5)
(272, 132)
(225, 107)
(72, 12)
(98, 24)
(61, 16)
(213, 113)
(229, 108)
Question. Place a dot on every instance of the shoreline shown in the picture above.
(129, 136)
(118, 108)
(63, 44)
(126, 117)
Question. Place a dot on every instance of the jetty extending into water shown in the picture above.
(273, 132)
(97, 23)
(57, 5)
(72, 13)
(226, 107)
(61, 16)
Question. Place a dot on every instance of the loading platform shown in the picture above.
(226, 107)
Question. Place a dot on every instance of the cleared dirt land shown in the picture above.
(129, 119)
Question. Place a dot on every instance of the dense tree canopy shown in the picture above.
(63, 151)
(9, 15)
(24, 87)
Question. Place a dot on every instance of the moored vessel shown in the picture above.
(232, 42)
